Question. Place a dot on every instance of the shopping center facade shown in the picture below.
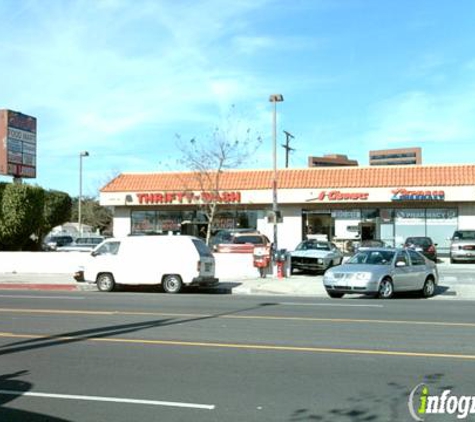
(343, 204)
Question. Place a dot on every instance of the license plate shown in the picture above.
(207, 266)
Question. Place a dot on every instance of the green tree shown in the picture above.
(93, 214)
(57, 210)
(21, 215)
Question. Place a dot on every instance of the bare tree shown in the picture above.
(207, 159)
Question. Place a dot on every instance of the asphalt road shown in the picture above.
(87, 356)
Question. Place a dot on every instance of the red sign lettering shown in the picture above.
(187, 197)
(336, 195)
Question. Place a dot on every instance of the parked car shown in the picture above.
(242, 242)
(52, 243)
(225, 236)
(82, 244)
(462, 246)
(315, 255)
(382, 272)
(172, 261)
(424, 245)
(369, 243)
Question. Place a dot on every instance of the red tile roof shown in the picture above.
(335, 177)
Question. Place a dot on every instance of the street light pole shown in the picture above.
(81, 155)
(275, 98)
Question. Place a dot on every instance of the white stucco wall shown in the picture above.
(466, 216)
(122, 221)
(229, 266)
(289, 232)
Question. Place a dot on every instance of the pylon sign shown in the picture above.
(17, 144)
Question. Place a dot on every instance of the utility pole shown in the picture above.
(287, 148)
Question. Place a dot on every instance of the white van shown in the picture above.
(172, 261)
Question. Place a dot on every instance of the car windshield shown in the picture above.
(313, 245)
(256, 240)
(372, 243)
(464, 235)
(420, 241)
(372, 257)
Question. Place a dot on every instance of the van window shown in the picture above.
(108, 248)
(202, 248)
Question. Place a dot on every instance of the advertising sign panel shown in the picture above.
(17, 144)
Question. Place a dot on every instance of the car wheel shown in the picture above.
(172, 283)
(386, 289)
(429, 287)
(335, 295)
(105, 282)
(452, 261)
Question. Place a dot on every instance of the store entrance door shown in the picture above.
(368, 231)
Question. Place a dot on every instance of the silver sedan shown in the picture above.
(382, 272)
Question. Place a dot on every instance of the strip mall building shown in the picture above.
(343, 203)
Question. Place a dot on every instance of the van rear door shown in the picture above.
(207, 264)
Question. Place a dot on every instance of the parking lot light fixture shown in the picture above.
(82, 154)
(275, 98)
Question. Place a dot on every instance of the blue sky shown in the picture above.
(120, 78)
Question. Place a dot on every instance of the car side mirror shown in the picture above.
(400, 264)
(94, 253)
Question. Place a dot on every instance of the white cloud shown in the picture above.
(417, 117)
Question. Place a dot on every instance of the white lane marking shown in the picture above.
(109, 399)
(43, 297)
(331, 304)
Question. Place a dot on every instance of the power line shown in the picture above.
(287, 148)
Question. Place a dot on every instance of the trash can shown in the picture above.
(261, 259)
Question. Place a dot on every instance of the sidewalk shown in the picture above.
(297, 285)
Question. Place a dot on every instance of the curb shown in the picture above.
(35, 286)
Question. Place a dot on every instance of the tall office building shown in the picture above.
(398, 156)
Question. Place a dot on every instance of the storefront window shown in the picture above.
(318, 223)
(189, 222)
(440, 224)
(369, 214)
(157, 221)
(144, 221)
(436, 223)
(347, 224)
(235, 220)
(409, 222)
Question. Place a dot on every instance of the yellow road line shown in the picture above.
(238, 317)
(55, 311)
(241, 346)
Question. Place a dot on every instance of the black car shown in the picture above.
(424, 245)
(52, 243)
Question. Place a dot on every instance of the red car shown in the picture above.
(243, 243)
(424, 245)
